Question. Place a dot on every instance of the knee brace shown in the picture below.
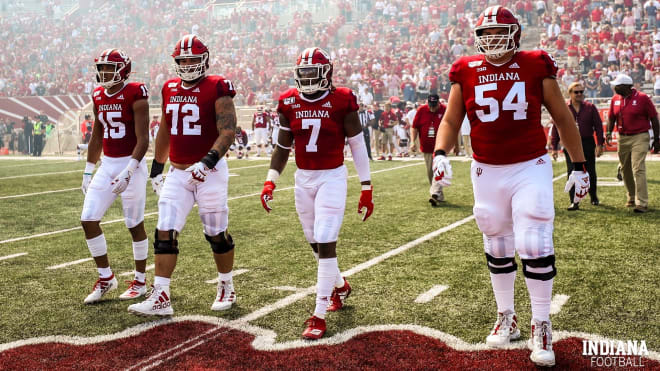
(226, 243)
(501, 265)
(542, 269)
(170, 246)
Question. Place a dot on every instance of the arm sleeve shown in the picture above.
(360, 157)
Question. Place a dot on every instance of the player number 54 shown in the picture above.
(516, 93)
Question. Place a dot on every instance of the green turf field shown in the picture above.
(607, 258)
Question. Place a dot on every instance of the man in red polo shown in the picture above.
(425, 124)
(632, 110)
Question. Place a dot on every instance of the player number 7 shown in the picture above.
(316, 128)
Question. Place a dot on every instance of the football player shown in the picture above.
(240, 144)
(319, 117)
(260, 124)
(502, 89)
(121, 132)
(198, 126)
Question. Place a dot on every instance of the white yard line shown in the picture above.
(234, 274)
(156, 212)
(31, 165)
(432, 293)
(13, 256)
(40, 174)
(557, 302)
(146, 269)
(40, 193)
(287, 288)
(248, 167)
(69, 263)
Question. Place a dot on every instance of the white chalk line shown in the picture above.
(146, 269)
(427, 296)
(13, 256)
(40, 174)
(234, 274)
(63, 265)
(557, 302)
(40, 193)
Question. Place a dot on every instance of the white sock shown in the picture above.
(339, 280)
(141, 249)
(104, 272)
(140, 276)
(540, 295)
(327, 272)
(503, 285)
(161, 281)
(225, 277)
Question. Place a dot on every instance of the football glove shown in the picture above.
(442, 170)
(120, 183)
(87, 178)
(366, 203)
(579, 179)
(198, 173)
(267, 195)
(157, 183)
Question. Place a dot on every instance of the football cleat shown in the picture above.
(135, 290)
(101, 287)
(226, 296)
(338, 296)
(505, 330)
(157, 304)
(315, 328)
(541, 343)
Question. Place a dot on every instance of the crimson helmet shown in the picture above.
(121, 67)
(313, 71)
(190, 46)
(497, 45)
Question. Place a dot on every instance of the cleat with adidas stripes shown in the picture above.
(315, 328)
(338, 296)
(101, 287)
(226, 296)
(505, 330)
(541, 344)
(135, 290)
(157, 304)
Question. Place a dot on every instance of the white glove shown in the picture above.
(580, 180)
(120, 183)
(157, 183)
(198, 173)
(87, 177)
(442, 170)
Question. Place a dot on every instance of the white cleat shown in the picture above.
(101, 287)
(226, 296)
(505, 330)
(157, 304)
(541, 344)
(135, 290)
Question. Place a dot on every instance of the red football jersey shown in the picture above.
(503, 104)
(189, 115)
(260, 120)
(318, 126)
(115, 112)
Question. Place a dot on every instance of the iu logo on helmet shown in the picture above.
(490, 15)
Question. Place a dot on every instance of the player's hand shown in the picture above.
(87, 178)
(267, 195)
(599, 151)
(580, 180)
(157, 183)
(120, 183)
(555, 154)
(366, 203)
(198, 173)
(656, 146)
(608, 138)
(442, 170)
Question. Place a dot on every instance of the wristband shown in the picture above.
(89, 168)
(439, 152)
(580, 166)
(272, 175)
(211, 159)
(156, 168)
(133, 164)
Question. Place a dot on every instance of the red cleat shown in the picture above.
(315, 328)
(381, 158)
(338, 296)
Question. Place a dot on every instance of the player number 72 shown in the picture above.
(517, 93)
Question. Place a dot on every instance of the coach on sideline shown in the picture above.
(632, 110)
(426, 122)
(588, 120)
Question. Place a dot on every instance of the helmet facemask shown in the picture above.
(495, 46)
(312, 78)
(191, 72)
(108, 79)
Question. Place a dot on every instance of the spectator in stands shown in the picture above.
(591, 85)
(632, 122)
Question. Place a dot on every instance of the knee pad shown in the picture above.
(170, 246)
(501, 265)
(542, 269)
(226, 243)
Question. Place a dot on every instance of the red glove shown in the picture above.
(267, 195)
(366, 202)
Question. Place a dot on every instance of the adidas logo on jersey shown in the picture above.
(171, 85)
(327, 105)
(196, 90)
(121, 97)
(540, 162)
(514, 65)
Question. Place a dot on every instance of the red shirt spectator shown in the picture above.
(632, 114)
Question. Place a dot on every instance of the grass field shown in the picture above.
(607, 257)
